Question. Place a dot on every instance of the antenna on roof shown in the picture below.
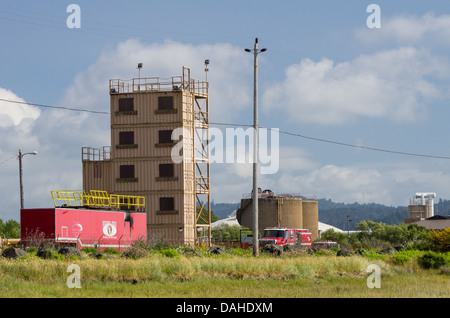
(206, 69)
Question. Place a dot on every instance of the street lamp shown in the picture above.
(255, 146)
(348, 225)
(21, 174)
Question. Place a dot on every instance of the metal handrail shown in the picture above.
(96, 198)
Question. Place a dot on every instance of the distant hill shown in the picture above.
(334, 213)
(223, 210)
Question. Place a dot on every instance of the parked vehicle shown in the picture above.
(285, 236)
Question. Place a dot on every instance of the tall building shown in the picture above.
(144, 160)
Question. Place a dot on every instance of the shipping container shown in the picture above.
(83, 227)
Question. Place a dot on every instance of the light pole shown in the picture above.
(255, 146)
(348, 225)
(21, 174)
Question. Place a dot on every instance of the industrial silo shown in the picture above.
(311, 217)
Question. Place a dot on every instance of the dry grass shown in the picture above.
(219, 276)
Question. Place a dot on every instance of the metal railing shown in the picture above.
(96, 154)
(97, 198)
(149, 84)
(267, 194)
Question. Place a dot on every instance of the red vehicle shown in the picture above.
(285, 236)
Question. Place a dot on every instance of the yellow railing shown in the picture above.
(68, 198)
(97, 198)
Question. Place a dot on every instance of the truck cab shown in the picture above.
(285, 236)
(278, 236)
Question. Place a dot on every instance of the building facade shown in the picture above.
(146, 113)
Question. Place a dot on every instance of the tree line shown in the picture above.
(10, 229)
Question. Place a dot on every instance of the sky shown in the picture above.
(361, 108)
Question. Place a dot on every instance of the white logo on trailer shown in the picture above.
(109, 228)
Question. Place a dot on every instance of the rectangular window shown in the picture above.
(165, 102)
(127, 171)
(166, 204)
(126, 105)
(165, 136)
(126, 138)
(126, 174)
(166, 170)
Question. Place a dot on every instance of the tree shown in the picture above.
(441, 240)
(9, 229)
(225, 232)
(204, 215)
(332, 235)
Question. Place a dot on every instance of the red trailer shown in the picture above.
(83, 227)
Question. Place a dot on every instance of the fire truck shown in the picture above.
(286, 236)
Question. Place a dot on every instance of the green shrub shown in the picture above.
(239, 251)
(421, 245)
(89, 250)
(431, 260)
(32, 250)
(49, 253)
(373, 255)
(169, 252)
(401, 258)
(111, 251)
(135, 253)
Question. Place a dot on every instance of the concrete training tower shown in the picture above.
(144, 113)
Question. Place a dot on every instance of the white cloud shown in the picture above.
(409, 29)
(389, 84)
(230, 83)
(16, 114)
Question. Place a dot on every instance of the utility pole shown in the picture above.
(255, 147)
(348, 225)
(21, 174)
(21, 179)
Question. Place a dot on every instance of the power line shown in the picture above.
(55, 107)
(364, 147)
(248, 125)
(4, 161)
(341, 143)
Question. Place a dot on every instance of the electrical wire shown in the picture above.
(6, 160)
(55, 107)
(341, 143)
(248, 125)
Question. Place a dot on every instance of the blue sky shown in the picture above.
(325, 75)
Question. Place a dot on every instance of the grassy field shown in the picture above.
(221, 276)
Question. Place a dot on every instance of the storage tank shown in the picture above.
(281, 211)
(290, 213)
(311, 217)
